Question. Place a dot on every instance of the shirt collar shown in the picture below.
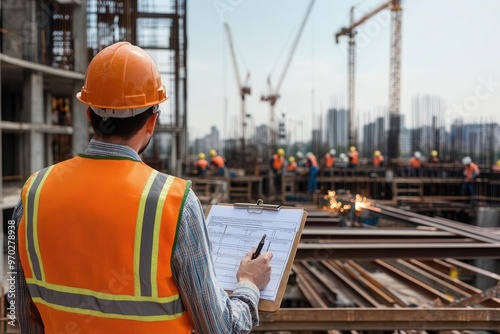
(101, 148)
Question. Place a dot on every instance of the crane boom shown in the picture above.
(243, 89)
(274, 92)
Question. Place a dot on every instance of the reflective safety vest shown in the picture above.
(218, 161)
(95, 242)
(353, 157)
(202, 164)
(278, 162)
(329, 160)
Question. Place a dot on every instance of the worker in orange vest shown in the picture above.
(108, 244)
(330, 158)
(353, 157)
(378, 158)
(292, 164)
(415, 164)
(217, 163)
(201, 165)
(276, 166)
(471, 172)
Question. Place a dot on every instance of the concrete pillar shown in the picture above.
(78, 114)
(33, 112)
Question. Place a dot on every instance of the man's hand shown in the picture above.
(257, 271)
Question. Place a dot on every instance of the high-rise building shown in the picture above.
(337, 128)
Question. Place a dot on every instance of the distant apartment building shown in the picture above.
(337, 128)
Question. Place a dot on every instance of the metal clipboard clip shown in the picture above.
(257, 207)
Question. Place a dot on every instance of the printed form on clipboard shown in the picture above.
(236, 229)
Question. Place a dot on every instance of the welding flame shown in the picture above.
(342, 203)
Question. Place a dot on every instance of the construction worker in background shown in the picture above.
(434, 157)
(312, 180)
(471, 172)
(378, 158)
(121, 247)
(415, 164)
(276, 166)
(330, 158)
(353, 157)
(496, 167)
(201, 165)
(217, 163)
(301, 162)
(292, 166)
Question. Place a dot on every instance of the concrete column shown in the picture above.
(34, 113)
(80, 122)
(78, 114)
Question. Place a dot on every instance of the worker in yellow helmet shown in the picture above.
(353, 156)
(276, 166)
(292, 164)
(217, 163)
(378, 158)
(121, 247)
(201, 165)
(434, 157)
(496, 167)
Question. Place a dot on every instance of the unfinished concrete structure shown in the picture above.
(45, 48)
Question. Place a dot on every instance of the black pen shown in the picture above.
(259, 247)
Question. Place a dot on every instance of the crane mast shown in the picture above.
(351, 68)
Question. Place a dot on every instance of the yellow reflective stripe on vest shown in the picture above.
(31, 222)
(147, 233)
(83, 301)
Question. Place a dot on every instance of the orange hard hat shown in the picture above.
(122, 80)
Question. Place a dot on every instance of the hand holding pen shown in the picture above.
(256, 267)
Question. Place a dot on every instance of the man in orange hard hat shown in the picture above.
(107, 244)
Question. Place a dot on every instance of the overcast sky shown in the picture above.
(450, 48)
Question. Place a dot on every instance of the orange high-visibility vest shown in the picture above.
(278, 162)
(201, 163)
(470, 171)
(377, 160)
(354, 157)
(292, 167)
(95, 242)
(329, 160)
(217, 161)
(415, 162)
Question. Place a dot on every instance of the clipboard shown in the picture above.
(258, 213)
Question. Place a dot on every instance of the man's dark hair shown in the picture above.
(121, 127)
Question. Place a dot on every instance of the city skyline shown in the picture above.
(445, 51)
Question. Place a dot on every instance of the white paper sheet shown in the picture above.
(233, 232)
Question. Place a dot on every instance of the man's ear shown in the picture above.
(151, 123)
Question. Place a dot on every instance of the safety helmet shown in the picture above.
(417, 155)
(281, 152)
(308, 154)
(292, 159)
(122, 80)
(333, 152)
(377, 153)
(300, 155)
(201, 156)
(343, 157)
(434, 153)
(466, 160)
(213, 153)
(352, 148)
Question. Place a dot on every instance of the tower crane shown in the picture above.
(395, 68)
(243, 88)
(274, 91)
